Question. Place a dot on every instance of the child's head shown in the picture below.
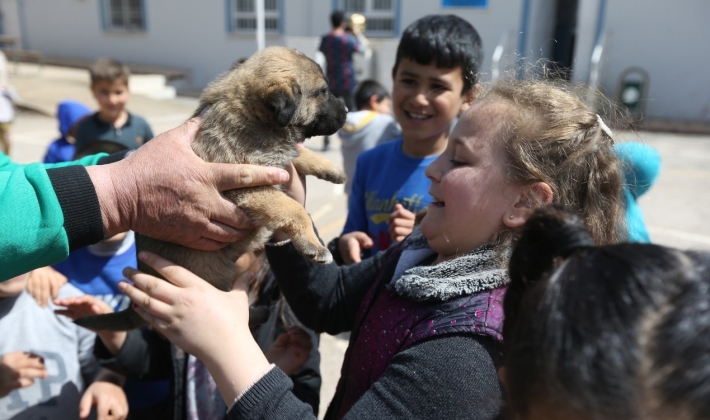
(337, 19)
(109, 84)
(435, 75)
(371, 95)
(604, 332)
(522, 145)
(69, 114)
(446, 41)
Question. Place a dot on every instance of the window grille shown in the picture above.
(243, 17)
(124, 15)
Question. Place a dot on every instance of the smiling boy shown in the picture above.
(109, 85)
(435, 79)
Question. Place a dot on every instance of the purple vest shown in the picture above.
(387, 324)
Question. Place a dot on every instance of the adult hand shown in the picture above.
(165, 191)
(86, 305)
(44, 283)
(401, 223)
(109, 399)
(19, 370)
(351, 244)
(181, 307)
(290, 350)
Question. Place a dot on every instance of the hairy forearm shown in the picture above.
(115, 201)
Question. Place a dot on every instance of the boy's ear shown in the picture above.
(531, 197)
(372, 102)
(470, 96)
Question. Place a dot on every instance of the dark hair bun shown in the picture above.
(550, 233)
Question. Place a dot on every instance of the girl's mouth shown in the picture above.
(438, 204)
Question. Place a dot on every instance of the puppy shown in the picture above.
(255, 114)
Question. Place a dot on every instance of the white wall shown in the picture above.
(670, 41)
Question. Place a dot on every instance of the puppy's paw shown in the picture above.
(314, 252)
(336, 177)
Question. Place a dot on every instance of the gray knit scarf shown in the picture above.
(481, 269)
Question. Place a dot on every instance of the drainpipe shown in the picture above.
(24, 38)
(260, 26)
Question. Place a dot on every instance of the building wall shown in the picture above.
(670, 41)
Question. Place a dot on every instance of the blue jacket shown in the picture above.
(69, 113)
(641, 167)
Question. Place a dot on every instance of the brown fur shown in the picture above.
(255, 114)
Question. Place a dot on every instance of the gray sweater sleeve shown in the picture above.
(448, 377)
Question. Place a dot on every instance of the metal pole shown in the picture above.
(260, 26)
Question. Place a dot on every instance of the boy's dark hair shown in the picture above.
(110, 70)
(99, 146)
(610, 332)
(445, 40)
(365, 91)
(336, 18)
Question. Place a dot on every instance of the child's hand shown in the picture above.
(401, 223)
(200, 319)
(290, 350)
(43, 283)
(82, 306)
(351, 244)
(183, 310)
(87, 305)
(19, 370)
(109, 399)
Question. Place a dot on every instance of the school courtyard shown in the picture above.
(676, 208)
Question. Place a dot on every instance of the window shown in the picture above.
(123, 15)
(380, 15)
(243, 16)
(464, 3)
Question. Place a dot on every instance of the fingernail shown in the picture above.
(283, 176)
(143, 255)
(122, 285)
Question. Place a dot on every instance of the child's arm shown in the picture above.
(106, 393)
(325, 298)
(87, 305)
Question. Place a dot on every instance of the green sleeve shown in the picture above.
(32, 222)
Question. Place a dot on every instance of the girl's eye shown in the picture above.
(407, 81)
(456, 163)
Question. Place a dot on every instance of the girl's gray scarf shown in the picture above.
(481, 269)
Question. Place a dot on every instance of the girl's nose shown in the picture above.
(434, 170)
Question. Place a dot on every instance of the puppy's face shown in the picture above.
(296, 95)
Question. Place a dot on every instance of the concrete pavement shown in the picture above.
(677, 208)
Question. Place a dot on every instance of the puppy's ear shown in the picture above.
(283, 101)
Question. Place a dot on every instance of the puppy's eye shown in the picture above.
(324, 91)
